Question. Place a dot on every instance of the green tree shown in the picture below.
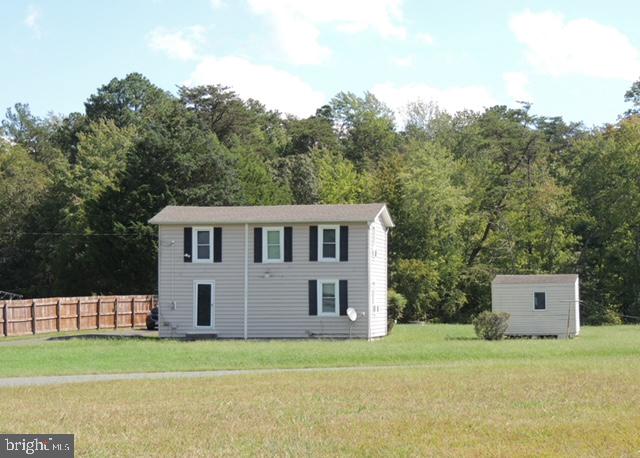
(124, 101)
(430, 249)
(300, 174)
(34, 134)
(338, 180)
(236, 122)
(315, 132)
(365, 126)
(606, 180)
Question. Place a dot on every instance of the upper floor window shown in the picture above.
(329, 245)
(203, 244)
(273, 244)
(539, 301)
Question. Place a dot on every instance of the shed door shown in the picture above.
(203, 304)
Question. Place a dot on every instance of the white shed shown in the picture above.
(539, 305)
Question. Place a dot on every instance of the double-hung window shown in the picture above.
(273, 244)
(539, 300)
(329, 246)
(203, 244)
(328, 297)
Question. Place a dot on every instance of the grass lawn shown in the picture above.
(407, 345)
(470, 398)
(476, 409)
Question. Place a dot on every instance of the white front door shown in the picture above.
(204, 304)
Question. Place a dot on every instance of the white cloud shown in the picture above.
(425, 38)
(557, 47)
(217, 4)
(405, 61)
(178, 44)
(516, 83)
(297, 22)
(32, 20)
(451, 99)
(275, 88)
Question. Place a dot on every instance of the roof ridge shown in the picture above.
(302, 213)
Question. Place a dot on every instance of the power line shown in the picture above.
(73, 234)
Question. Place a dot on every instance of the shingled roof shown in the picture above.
(534, 279)
(273, 214)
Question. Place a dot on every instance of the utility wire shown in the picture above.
(73, 234)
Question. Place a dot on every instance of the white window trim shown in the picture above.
(194, 243)
(265, 247)
(321, 243)
(336, 284)
(546, 302)
(195, 303)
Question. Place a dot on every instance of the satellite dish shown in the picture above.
(352, 314)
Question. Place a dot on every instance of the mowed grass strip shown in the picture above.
(407, 345)
(501, 409)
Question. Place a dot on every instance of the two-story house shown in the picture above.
(286, 271)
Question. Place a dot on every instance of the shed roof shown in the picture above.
(273, 214)
(534, 279)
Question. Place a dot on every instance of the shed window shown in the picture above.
(203, 244)
(539, 301)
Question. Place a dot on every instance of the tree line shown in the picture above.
(472, 194)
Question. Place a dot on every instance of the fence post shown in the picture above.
(78, 315)
(115, 316)
(5, 318)
(33, 316)
(133, 312)
(98, 314)
(58, 312)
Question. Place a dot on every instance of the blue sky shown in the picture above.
(573, 58)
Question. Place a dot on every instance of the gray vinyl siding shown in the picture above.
(176, 279)
(378, 278)
(517, 300)
(278, 304)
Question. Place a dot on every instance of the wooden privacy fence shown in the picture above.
(54, 314)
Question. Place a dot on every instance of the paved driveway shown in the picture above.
(10, 382)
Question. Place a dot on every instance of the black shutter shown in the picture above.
(313, 243)
(257, 244)
(344, 243)
(313, 297)
(188, 244)
(288, 244)
(217, 244)
(344, 297)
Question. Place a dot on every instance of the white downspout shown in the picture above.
(246, 278)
